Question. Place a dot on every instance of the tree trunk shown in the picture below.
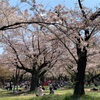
(34, 82)
(80, 76)
(42, 79)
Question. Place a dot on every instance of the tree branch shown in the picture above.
(95, 15)
(15, 25)
(61, 42)
(83, 12)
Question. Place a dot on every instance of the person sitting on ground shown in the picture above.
(51, 90)
(43, 88)
(39, 91)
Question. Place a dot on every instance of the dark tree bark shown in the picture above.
(80, 76)
(42, 79)
(2, 81)
(34, 82)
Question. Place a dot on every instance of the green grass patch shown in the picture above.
(60, 94)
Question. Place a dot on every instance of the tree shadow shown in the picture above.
(83, 97)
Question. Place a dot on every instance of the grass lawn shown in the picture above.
(60, 94)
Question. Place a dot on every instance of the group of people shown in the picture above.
(40, 91)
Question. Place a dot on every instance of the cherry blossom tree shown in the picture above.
(79, 26)
(30, 51)
(93, 69)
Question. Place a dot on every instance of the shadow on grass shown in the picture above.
(5, 93)
(83, 97)
(66, 97)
